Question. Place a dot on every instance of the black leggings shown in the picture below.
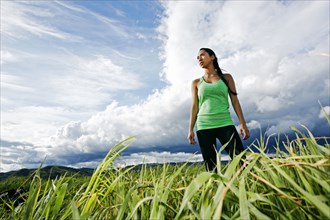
(207, 142)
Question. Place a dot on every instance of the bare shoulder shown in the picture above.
(228, 77)
(195, 82)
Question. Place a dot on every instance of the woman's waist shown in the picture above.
(212, 120)
(219, 114)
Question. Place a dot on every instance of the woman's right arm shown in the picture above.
(193, 111)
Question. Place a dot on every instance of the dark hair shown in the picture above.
(217, 68)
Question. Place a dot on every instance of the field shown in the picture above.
(294, 184)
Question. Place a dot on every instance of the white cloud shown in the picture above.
(159, 121)
(282, 127)
(269, 104)
(16, 157)
(6, 56)
(324, 111)
(90, 82)
(35, 124)
(253, 124)
(81, 83)
(17, 20)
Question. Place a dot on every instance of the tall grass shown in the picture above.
(293, 185)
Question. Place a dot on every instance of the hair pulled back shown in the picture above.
(217, 68)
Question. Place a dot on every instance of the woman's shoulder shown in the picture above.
(228, 76)
(196, 81)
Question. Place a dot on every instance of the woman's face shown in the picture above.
(204, 59)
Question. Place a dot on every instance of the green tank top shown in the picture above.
(213, 109)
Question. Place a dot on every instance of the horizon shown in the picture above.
(77, 77)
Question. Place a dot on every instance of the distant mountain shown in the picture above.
(57, 171)
(48, 172)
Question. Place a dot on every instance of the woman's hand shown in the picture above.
(244, 131)
(191, 138)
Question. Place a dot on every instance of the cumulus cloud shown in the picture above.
(159, 121)
(34, 124)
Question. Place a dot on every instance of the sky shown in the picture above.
(77, 77)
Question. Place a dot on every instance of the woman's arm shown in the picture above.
(193, 111)
(237, 107)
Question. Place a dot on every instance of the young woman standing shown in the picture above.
(210, 111)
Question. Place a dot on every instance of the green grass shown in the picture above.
(293, 185)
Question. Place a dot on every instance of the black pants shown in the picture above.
(207, 142)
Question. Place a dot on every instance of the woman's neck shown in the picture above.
(210, 72)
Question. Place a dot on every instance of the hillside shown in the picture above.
(48, 172)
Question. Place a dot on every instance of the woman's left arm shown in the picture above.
(244, 131)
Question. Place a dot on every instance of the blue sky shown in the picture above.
(77, 77)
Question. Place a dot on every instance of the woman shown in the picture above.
(210, 111)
